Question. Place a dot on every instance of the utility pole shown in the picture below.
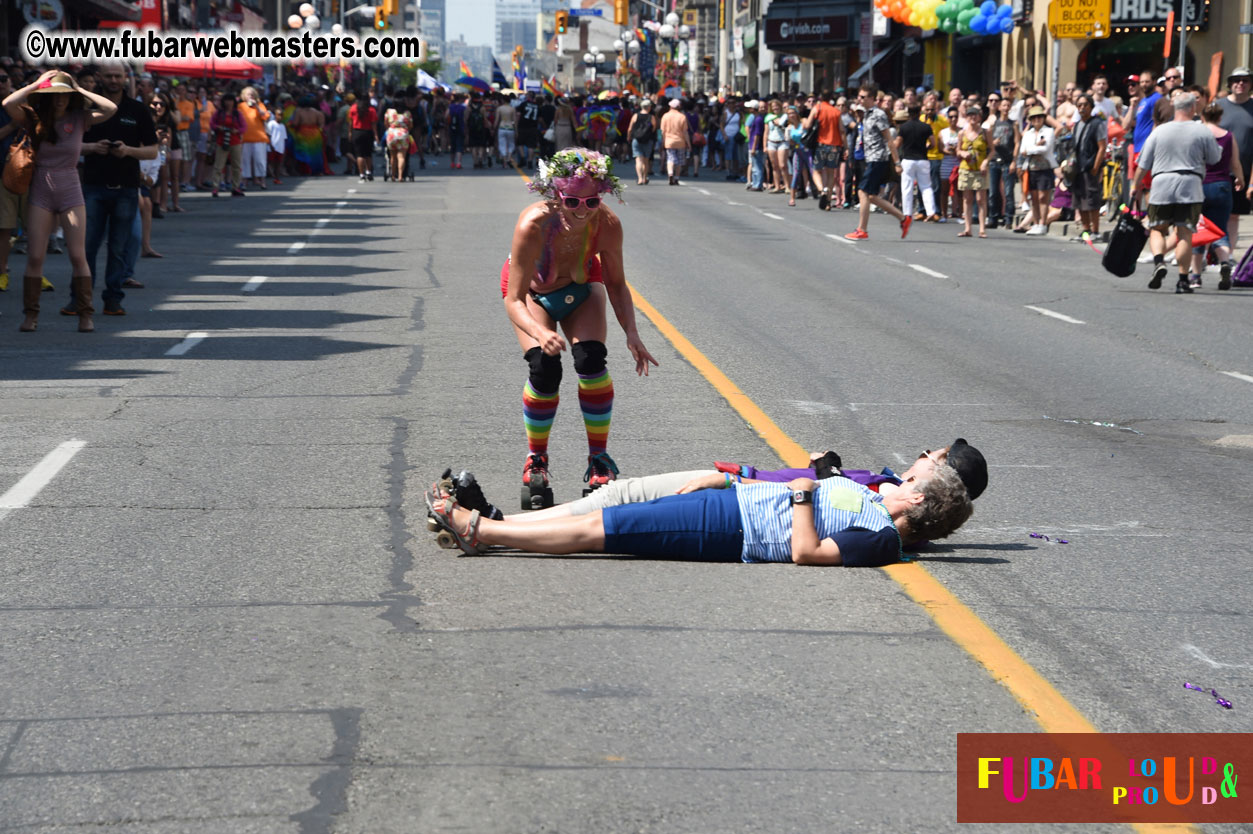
(724, 46)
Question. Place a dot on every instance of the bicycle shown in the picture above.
(1114, 178)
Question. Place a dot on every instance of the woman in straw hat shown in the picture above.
(56, 111)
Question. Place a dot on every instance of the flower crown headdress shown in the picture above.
(572, 164)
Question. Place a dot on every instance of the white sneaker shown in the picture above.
(1026, 206)
(1146, 258)
(1038, 230)
(1173, 261)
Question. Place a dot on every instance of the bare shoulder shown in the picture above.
(610, 227)
(534, 217)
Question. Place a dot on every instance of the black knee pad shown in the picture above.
(589, 357)
(545, 370)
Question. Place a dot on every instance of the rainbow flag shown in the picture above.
(519, 69)
(550, 87)
(474, 83)
(465, 69)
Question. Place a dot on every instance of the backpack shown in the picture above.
(1243, 276)
(643, 130)
(477, 121)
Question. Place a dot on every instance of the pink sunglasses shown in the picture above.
(574, 202)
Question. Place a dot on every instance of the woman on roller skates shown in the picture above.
(565, 261)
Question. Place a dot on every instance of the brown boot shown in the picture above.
(32, 286)
(81, 287)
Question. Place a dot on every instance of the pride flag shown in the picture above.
(519, 69)
(474, 83)
(465, 69)
(550, 87)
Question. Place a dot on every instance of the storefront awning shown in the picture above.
(797, 25)
(107, 9)
(879, 56)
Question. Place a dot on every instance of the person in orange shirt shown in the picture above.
(204, 153)
(256, 138)
(826, 116)
(182, 163)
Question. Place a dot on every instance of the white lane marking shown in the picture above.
(25, 490)
(733, 203)
(771, 216)
(893, 260)
(1059, 316)
(925, 271)
(187, 344)
(352, 191)
(900, 458)
(322, 221)
(841, 239)
(703, 191)
(295, 247)
(254, 282)
(1213, 664)
(1238, 375)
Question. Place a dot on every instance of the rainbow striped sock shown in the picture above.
(596, 402)
(538, 411)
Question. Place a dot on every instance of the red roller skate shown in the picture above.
(600, 470)
(536, 493)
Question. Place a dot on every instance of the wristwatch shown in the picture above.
(803, 496)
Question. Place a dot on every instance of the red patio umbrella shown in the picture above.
(205, 67)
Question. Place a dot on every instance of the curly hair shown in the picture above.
(945, 507)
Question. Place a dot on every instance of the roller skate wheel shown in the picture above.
(432, 525)
(446, 540)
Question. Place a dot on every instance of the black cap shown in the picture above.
(970, 466)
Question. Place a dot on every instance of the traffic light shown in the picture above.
(621, 10)
(708, 62)
(563, 21)
(391, 7)
(380, 18)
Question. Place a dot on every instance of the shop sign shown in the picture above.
(801, 31)
(1146, 13)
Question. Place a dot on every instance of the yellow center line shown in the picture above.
(1041, 700)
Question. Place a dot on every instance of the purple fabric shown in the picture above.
(861, 476)
(1221, 171)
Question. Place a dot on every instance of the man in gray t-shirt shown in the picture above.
(1177, 154)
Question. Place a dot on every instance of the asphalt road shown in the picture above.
(224, 612)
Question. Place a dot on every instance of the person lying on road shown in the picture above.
(830, 522)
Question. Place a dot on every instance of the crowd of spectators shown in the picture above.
(1005, 159)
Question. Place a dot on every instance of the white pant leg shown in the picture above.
(918, 171)
(908, 173)
(505, 141)
(633, 491)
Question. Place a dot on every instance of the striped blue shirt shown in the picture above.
(839, 505)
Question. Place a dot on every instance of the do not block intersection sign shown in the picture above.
(1079, 18)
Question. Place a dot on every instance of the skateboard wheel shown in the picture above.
(432, 525)
(446, 540)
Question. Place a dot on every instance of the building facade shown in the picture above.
(1213, 44)
(516, 23)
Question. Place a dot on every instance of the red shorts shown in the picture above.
(594, 275)
(1133, 157)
